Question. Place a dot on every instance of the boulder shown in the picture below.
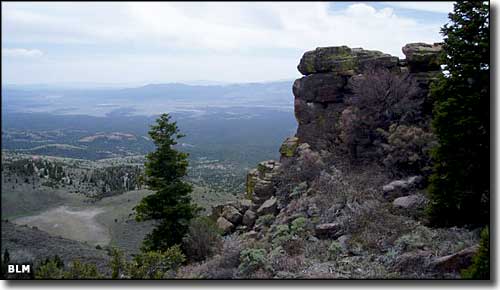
(344, 242)
(327, 59)
(328, 231)
(231, 214)
(423, 57)
(270, 206)
(398, 188)
(243, 205)
(412, 262)
(455, 262)
(288, 147)
(249, 218)
(410, 202)
(343, 60)
(224, 225)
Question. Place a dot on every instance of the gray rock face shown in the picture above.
(410, 202)
(249, 218)
(454, 262)
(398, 188)
(343, 60)
(259, 184)
(264, 189)
(410, 262)
(270, 206)
(224, 225)
(320, 88)
(422, 57)
(328, 231)
(328, 72)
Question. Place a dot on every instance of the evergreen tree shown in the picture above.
(170, 205)
(480, 268)
(459, 186)
(5, 261)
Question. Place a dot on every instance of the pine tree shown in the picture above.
(459, 186)
(170, 205)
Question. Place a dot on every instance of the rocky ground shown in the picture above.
(318, 214)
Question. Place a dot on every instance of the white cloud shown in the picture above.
(438, 7)
(214, 34)
(21, 52)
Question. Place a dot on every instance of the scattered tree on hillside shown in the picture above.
(459, 186)
(171, 204)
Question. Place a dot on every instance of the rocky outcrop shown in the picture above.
(328, 230)
(402, 187)
(423, 57)
(259, 185)
(412, 202)
(454, 262)
(328, 72)
(260, 191)
(230, 216)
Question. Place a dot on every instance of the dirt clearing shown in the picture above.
(71, 223)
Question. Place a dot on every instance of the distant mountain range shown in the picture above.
(144, 100)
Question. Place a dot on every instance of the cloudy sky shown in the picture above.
(139, 43)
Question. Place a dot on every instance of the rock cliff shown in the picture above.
(314, 214)
(328, 72)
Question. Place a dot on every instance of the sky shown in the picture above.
(158, 42)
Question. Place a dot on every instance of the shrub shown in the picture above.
(49, 270)
(291, 239)
(253, 260)
(117, 263)
(80, 270)
(298, 226)
(221, 266)
(265, 220)
(407, 149)
(372, 225)
(380, 98)
(203, 239)
(156, 264)
(480, 268)
(280, 261)
(334, 250)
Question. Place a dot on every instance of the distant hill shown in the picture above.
(145, 100)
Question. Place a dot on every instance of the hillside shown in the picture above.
(347, 197)
(26, 244)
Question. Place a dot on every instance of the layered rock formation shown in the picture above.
(328, 72)
(319, 100)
